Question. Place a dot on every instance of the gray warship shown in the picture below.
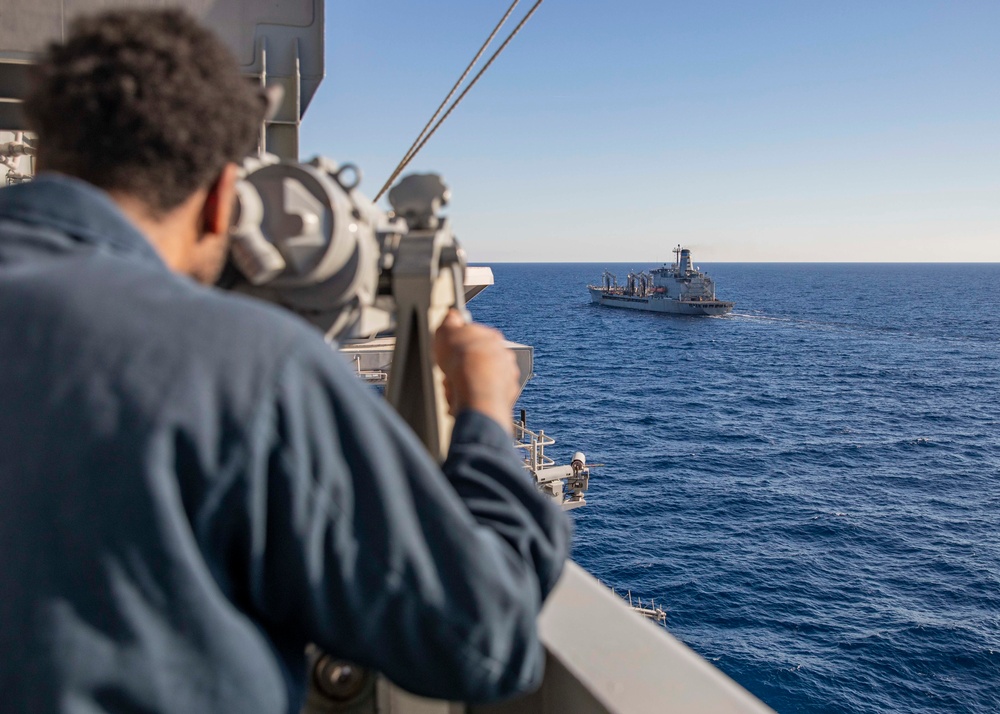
(678, 289)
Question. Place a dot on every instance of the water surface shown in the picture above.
(810, 486)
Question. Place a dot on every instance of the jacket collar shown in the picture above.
(78, 209)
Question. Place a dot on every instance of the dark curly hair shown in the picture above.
(146, 102)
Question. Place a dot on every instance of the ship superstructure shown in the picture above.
(678, 289)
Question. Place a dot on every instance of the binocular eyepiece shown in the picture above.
(305, 238)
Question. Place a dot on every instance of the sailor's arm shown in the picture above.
(482, 380)
(374, 553)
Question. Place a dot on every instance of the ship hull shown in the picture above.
(653, 303)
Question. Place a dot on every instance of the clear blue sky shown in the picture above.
(609, 131)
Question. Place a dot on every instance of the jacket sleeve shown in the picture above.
(361, 543)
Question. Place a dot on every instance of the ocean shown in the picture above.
(809, 486)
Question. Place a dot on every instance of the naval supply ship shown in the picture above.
(678, 289)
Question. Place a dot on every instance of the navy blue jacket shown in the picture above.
(193, 486)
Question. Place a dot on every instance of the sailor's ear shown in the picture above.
(218, 208)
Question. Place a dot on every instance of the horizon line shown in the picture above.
(480, 263)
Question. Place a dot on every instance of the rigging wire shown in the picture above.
(425, 135)
(409, 152)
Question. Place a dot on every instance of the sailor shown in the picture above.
(193, 486)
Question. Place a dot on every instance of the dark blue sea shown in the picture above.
(810, 486)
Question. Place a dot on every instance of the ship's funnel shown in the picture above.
(685, 264)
